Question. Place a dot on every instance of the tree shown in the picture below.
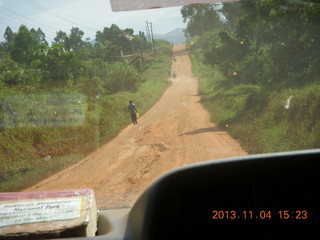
(116, 36)
(13, 73)
(111, 34)
(71, 42)
(260, 42)
(129, 31)
(24, 44)
(86, 51)
(62, 38)
(201, 19)
(8, 35)
(9, 38)
(56, 63)
(75, 38)
(230, 12)
(41, 36)
(107, 51)
(122, 77)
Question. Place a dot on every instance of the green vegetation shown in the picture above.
(61, 102)
(258, 67)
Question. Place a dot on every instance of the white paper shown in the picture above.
(36, 211)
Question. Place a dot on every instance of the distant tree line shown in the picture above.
(26, 58)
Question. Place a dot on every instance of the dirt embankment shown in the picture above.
(175, 132)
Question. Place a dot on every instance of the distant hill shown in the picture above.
(176, 36)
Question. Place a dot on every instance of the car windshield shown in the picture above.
(92, 98)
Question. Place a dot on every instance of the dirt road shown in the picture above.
(175, 132)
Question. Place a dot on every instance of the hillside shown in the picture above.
(175, 36)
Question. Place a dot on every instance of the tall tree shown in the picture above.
(41, 36)
(107, 51)
(201, 19)
(7, 44)
(62, 39)
(111, 34)
(24, 44)
(129, 31)
(75, 38)
(56, 63)
(117, 37)
(8, 35)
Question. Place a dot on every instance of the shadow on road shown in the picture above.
(181, 52)
(202, 130)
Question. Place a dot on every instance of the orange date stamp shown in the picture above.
(259, 215)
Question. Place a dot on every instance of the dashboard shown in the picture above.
(269, 196)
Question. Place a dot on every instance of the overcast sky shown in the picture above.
(89, 15)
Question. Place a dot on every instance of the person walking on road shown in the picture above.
(133, 112)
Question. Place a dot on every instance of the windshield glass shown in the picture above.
(92, 98)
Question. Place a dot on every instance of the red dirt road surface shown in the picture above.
(174, 132)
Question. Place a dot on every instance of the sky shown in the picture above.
(88, 15)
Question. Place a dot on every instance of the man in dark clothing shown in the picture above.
(133, 112)
(174, 74)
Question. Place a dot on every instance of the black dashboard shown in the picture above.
(273, 196)
(269, 196)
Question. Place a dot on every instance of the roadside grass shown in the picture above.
(40, 169)
(262, 119)
(30, 154)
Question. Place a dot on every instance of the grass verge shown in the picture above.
(263, 120)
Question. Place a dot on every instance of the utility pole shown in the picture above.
(148, 34)
(152, 42)
(140, 45)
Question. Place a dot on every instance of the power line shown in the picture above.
(10, 22)
(51, 32)
(27, 17)
(6, 24)
(42, 8)
(17, 25)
